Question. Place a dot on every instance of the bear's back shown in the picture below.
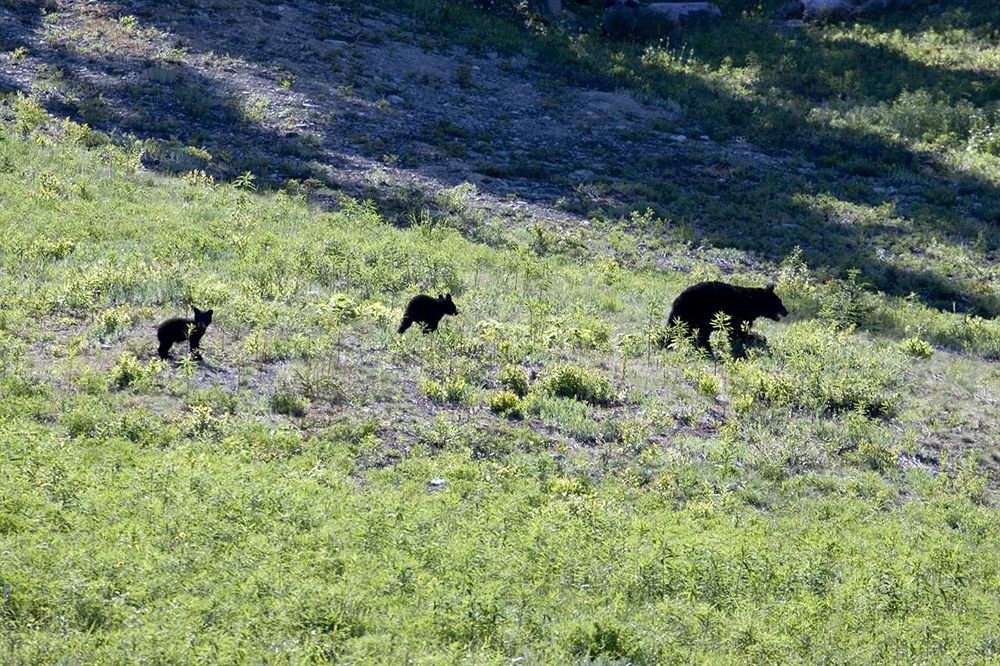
(422, 305)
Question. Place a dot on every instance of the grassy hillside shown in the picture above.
(537, 481)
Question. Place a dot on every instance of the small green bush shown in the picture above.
(129, 370)
(708, 384)
(603, 640)
(514, 378)
(916, 347)
(568, 381)
(505, 403)
(112, 324)
(453, 389)
(285, 401)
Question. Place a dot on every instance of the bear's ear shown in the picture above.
(440, 296)
(448, 297)
(209, 313)
(770, 287)
(196, 310)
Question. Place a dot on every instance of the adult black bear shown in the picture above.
(698, 304)
(179, 329)
(428, 311)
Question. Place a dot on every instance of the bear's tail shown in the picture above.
(403, 325)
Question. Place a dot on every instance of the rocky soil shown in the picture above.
(351, 98)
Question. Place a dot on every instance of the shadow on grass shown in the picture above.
(762, 212)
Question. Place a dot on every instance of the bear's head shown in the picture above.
(202, 318)
(770, 305)
(447, 304)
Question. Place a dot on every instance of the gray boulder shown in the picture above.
(818, 11)
(626, 19)
(827, 10)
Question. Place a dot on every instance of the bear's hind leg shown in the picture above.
(704, 333)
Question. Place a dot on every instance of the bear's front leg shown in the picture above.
(195, 345)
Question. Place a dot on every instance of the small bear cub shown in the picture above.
(428, 311)
(179, 329)
(698, 304)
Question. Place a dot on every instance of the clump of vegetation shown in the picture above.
(606, 640)
(288, 402)
(583, 384)
(505, 403)
(821, 368)
(917, 347)
(515, 379)
(453, 389)
(130, 371)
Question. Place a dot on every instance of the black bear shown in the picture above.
(698, 304)
(428, 311)
(179, 329)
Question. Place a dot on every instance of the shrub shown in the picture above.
(453, 389)
(28, 114)
(514, 378)
(570, 417)
(568, 381)
(285, 401)
(129, 370)
(864, 442)
(917, 347)
(505, 403)
(820, 368)
(112, 324)
(845, 302)
(603, 639)
(433, 389)
(708, 384)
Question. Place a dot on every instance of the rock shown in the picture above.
(682, 12)
(581, 175)
(552, 7)
(790, 10)
(793, 24)
(827, 10)
(396, 100)
(875, 7)
(680, 138)
(833, 10)
(627, 19)
(436, 484)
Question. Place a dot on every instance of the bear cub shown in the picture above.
(428, 311)
(179, 329)
(698, 304)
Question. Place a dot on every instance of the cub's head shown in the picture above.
(202, 318)
(447, 305)
(769, 305)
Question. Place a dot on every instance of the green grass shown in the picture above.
(538, 480)
(249, 507)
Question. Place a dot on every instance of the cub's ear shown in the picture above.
(440, 296)
(196, 310)
(209, 313)
(771, 287)
(448, 297)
